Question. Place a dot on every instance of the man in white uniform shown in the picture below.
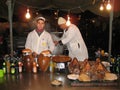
(39, 40)
(73, 39)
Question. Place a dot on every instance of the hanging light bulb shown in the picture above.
(68, 21)
(28, 14)
(105, 4)
(108, 7)
(101, 7)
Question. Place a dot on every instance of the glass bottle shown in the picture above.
(12, 68)
(20, 66)
(4, 68)
(8, 66)
(34, 67)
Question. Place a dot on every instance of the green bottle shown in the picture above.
(4, 68)
(12, 68)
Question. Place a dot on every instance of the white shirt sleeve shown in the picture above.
(70, 33)
(28, 41)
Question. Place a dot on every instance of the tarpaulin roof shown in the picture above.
(74, 6)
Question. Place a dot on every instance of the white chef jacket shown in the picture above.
(75, 43)
(39, 43)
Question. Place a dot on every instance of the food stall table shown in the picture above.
(42, 81)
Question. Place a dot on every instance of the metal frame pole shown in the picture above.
(9, 2)
(110, 30)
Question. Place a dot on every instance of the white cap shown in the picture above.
(61, 20)
(40, 18)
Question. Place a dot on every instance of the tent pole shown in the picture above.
(110, 30)
(9, 3)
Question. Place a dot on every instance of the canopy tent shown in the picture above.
(73, 6)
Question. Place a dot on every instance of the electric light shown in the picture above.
(101, 7)
(105, 4)
(108, 7)
(68, 21)
(28, 14)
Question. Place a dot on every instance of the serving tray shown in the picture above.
(78, 83)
